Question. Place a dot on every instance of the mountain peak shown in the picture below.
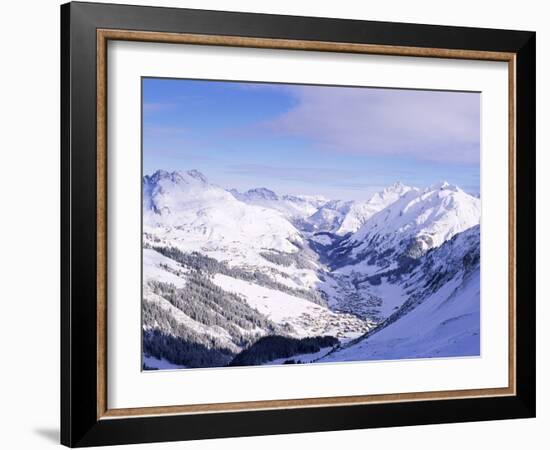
(398, 186)
(194, 173)
(419, 220)
(158, 175)
(261, 193)
(443, 186)
(175, 176)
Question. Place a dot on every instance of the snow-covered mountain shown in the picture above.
(329, 217)
(360, 212)
(293, 207)
(441, 314)
(408, 227)
(342, 217)
(186, 211)
(220, 273)
(224, 270)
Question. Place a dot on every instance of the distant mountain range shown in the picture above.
(394, 276)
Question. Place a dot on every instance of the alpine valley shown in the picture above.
(250, 278)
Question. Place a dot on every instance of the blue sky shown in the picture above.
(341, 142)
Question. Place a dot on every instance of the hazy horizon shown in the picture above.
(367, 194)
(340, 142)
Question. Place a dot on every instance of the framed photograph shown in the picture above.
(277, 224)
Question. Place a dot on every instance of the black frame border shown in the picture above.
(79, 424)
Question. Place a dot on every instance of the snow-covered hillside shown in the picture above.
(360, 212)
(293, 207)
(441, 316)
(445, 325)
(300, 316)
(185, 210)
(342, 217)
(222, 270)
(416, 222)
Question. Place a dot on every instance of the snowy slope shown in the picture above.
(183, 210)
(446, 324)
(342, 217)
(293, 207)
(360, 212)
(329, 217)
(440, 316)
(160, 268)
(181, 318)
(299, 317)
(415, 223)
(221, 269)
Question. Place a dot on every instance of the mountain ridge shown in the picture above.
(342, 270)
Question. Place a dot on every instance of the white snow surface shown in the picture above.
(360, 212)
(214, 331)
(342, 217)
(290, 206)
(182, 208)
(160, 364)
(431, 217)
(304, 317)
(153, 269)
(261, 232)
(392, 294)
(438, 319)
(446, 324)
(322, 239)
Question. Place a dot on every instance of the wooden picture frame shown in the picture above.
(86, 418)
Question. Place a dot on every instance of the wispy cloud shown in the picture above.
(303, 174)
(349, 179)
(305, 180)
(426, 125)
(340, 142)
